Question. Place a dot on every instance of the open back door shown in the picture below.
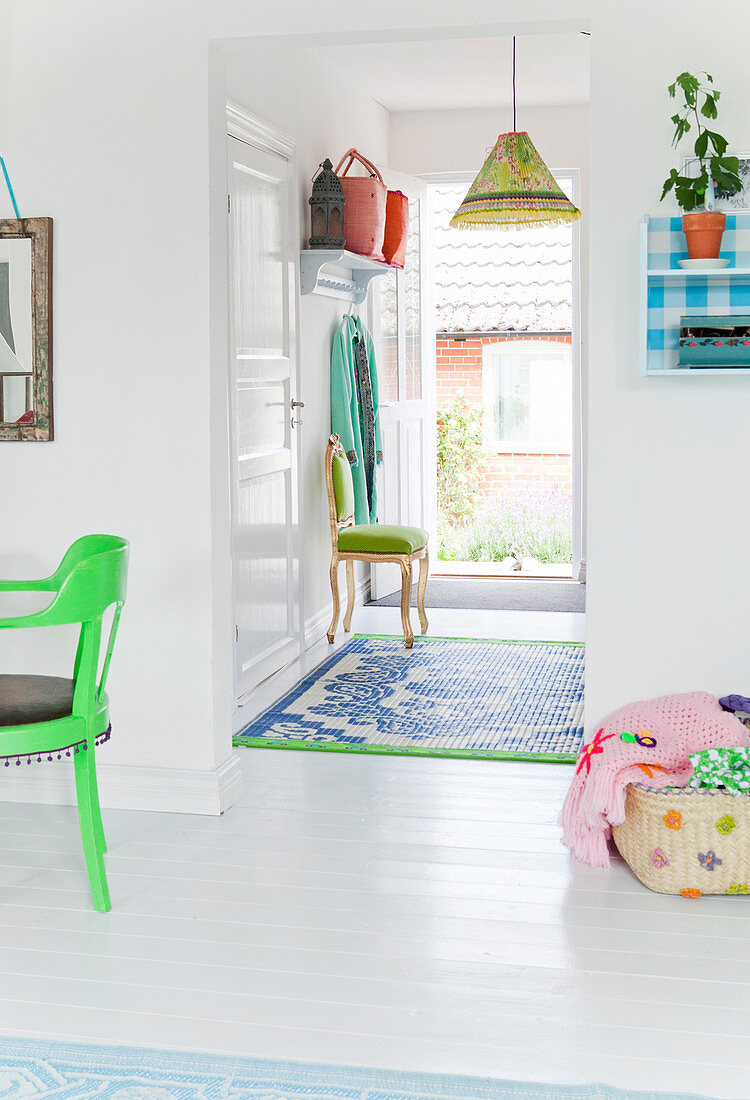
(400, 324)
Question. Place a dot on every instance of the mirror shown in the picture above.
(26, 329)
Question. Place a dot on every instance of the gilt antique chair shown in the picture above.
(372, 542)
(42, 717)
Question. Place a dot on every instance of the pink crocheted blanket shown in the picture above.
(647, 742)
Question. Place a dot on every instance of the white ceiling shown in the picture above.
(474, 72)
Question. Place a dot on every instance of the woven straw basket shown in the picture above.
(687, 841)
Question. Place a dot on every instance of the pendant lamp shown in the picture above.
(515, 188)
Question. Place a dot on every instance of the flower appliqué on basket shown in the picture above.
(709, 860)
(673, 819)
(658, 858)
(690, 893)
(593, 747)
(738, 888)
(725, 824)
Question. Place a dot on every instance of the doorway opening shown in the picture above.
(505, 358)
(416, 130)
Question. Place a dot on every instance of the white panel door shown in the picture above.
(263, 383)
(401, 329)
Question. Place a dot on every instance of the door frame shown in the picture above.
(386, 579)
(248, 128)
(577, 454)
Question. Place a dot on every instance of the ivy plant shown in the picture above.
(699, 105)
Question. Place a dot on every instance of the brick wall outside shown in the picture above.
(459, 372)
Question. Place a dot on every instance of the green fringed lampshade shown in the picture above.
(514, 188)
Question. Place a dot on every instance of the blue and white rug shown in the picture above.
(35, 1070)
(444, 697)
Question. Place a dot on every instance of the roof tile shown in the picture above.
(498, 280)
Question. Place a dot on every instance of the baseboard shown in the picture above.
(121, 787)
(317, 625)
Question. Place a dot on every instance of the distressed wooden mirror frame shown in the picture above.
(39, 232)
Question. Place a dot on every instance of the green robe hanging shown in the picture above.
(354, 411)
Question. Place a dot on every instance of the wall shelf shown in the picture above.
(696, 273)
(338, 273)
(667, 293)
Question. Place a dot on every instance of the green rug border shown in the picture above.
(238, 741)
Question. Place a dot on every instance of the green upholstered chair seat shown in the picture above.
(381, 538)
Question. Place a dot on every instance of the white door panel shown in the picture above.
(413, 434)
(401, 308)
(263, 380)
(389, 494)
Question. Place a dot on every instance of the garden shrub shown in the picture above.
(460, 461)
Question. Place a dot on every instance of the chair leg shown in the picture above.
(334, 574)
(349, 596)
(424, 569)
(89, 816)
(96, 806)
(405, 601)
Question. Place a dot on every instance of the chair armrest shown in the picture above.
(18, 621)
(28, 618)
(28, 586)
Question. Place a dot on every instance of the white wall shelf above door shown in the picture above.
(338, 273)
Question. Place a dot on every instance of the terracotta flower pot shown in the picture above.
(703, 231)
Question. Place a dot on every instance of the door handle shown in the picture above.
(297, 404)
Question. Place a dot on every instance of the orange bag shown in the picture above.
(396, 228)
(364, 210)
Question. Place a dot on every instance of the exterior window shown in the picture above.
(527, 397)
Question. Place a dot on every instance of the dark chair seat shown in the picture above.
(34, 699)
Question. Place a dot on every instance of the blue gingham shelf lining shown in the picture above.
(668, 302)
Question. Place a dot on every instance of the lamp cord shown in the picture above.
(514, 83)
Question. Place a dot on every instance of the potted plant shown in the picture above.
(702, 224)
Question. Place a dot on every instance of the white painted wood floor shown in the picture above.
(408, 913)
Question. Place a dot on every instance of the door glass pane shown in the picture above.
(412, 279)
(388, 361)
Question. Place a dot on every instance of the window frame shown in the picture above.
(539, 346)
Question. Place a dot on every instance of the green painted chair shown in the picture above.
(373, 542)
(42, 717)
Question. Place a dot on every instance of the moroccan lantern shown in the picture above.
(327, 209)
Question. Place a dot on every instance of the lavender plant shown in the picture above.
(533, 521)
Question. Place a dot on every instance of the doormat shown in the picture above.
(496, 594)
(42, 1070)
(445, 697)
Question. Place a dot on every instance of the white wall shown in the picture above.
(105, 131)
(106, 128)
(668, 531)
(108, 117)
(298, 92)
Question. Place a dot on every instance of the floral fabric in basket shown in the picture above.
(722, 767)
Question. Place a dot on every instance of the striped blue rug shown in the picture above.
(444, 697)
(43, 1070)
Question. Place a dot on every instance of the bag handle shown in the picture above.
(354, 154)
